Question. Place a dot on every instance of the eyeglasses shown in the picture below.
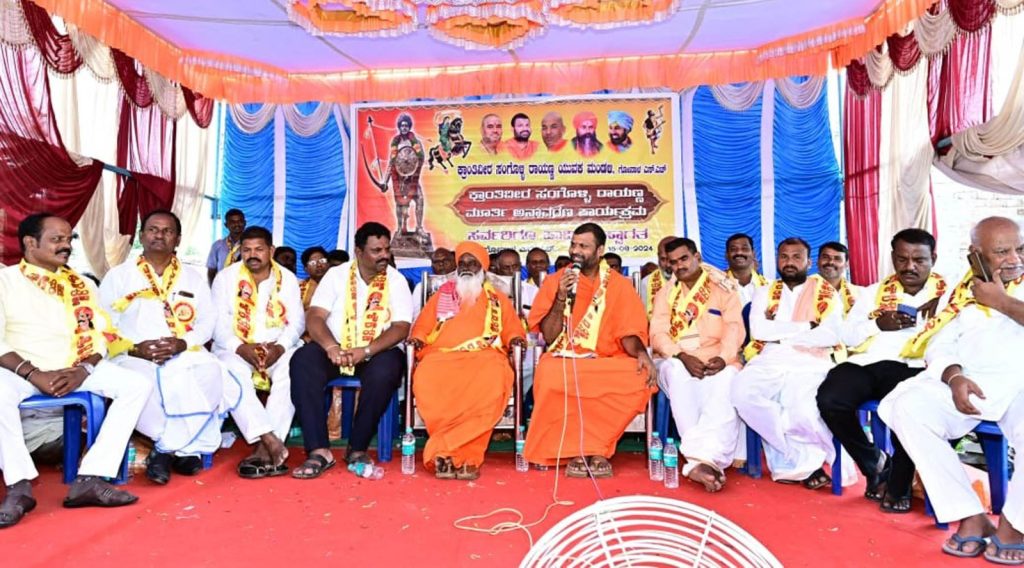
(317, 262)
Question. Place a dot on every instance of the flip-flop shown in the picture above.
(960, 541)
(276, 470)
(444, 468)
(316, 464)
(467, 473)
(895, 505)
(1000, 547)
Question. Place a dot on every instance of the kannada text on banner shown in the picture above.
(519, 174)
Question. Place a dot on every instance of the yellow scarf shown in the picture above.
(82, 309)
(490, 336)
(824, 302)
(306, 289)
(376, 316)
(960, 299)
(654, 284)
(846, 293)
(233, 252)
(245, 306)
(888, 297)
(686, 310)
(758, 279)
(180, 316)
(586, 331)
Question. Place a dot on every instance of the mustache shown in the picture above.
(64, 251)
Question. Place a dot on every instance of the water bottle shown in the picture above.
(655, 468)
(671, 464)
(367, 470)
(521, 463)
(132, 457)
(408, 453)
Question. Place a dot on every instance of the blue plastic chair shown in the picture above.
(879, 434)
(75, 404)
(753, 465)
(387, 426)
(995, 448)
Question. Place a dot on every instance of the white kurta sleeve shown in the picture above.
(764, 329)
(206, 312)
(224, 306)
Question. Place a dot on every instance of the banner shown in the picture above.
(519, 173)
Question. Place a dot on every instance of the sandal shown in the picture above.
(577, 468)
(313, 467)
(817, 480)
(444, 468)
(961, 541)
(468, 472)
(600, 467)
(252, 467)
(1000, 547)
(895, 505)
(352, 457)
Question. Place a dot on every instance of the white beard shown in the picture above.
(469, 287)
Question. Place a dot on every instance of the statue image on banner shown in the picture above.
(451, 141)
(405, 163)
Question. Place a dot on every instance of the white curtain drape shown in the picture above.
(740, 97)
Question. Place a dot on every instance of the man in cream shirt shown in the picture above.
(259, 323)
(53, 340)
(164, 309)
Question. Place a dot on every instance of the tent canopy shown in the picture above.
(346, 50)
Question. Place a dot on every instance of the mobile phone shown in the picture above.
(978, 266)
(905, 309)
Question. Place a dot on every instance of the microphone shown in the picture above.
(571, 296)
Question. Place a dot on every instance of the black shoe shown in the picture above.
(16, 504)
(187, 465)
(158, 467)
(92, 491)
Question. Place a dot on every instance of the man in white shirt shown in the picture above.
(876, 332)
(442, 262)
(164, 309)
(359, 317)
(259, 323)
(53, 339)
(509, 265)
(537, 264)
(742, 259)
(833, 260)
(794, 328)
(655, 281)
(973, 374)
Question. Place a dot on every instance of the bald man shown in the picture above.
(552, 131)
(442, 262)
(972, 375)
(490, 134)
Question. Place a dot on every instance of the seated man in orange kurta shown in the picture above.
(464, 378)
(596, 375)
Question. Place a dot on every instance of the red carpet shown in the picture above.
(217, 519)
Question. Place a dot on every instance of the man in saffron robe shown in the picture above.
(463, 379)
(596, 375)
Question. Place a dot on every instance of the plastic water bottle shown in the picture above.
(367, 470)
(671, 464)
(132, 458)
(654, 465)
(408, 453)
(521, 463)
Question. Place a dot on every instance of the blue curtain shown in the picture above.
(248, 172)
(727, 173)
(808, 184)
(315, 182)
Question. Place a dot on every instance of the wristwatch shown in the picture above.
(89, 368)
(366, 352)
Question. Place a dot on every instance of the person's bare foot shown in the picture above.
(274, 449)
(1009, 541)
(970, 530)
(711, 479)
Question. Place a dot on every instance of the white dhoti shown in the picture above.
(252, 419)
(182, 415)
(702, 409)
(129, 392)
(921, 413)
(775, 395)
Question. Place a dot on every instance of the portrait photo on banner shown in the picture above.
(518, 173)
